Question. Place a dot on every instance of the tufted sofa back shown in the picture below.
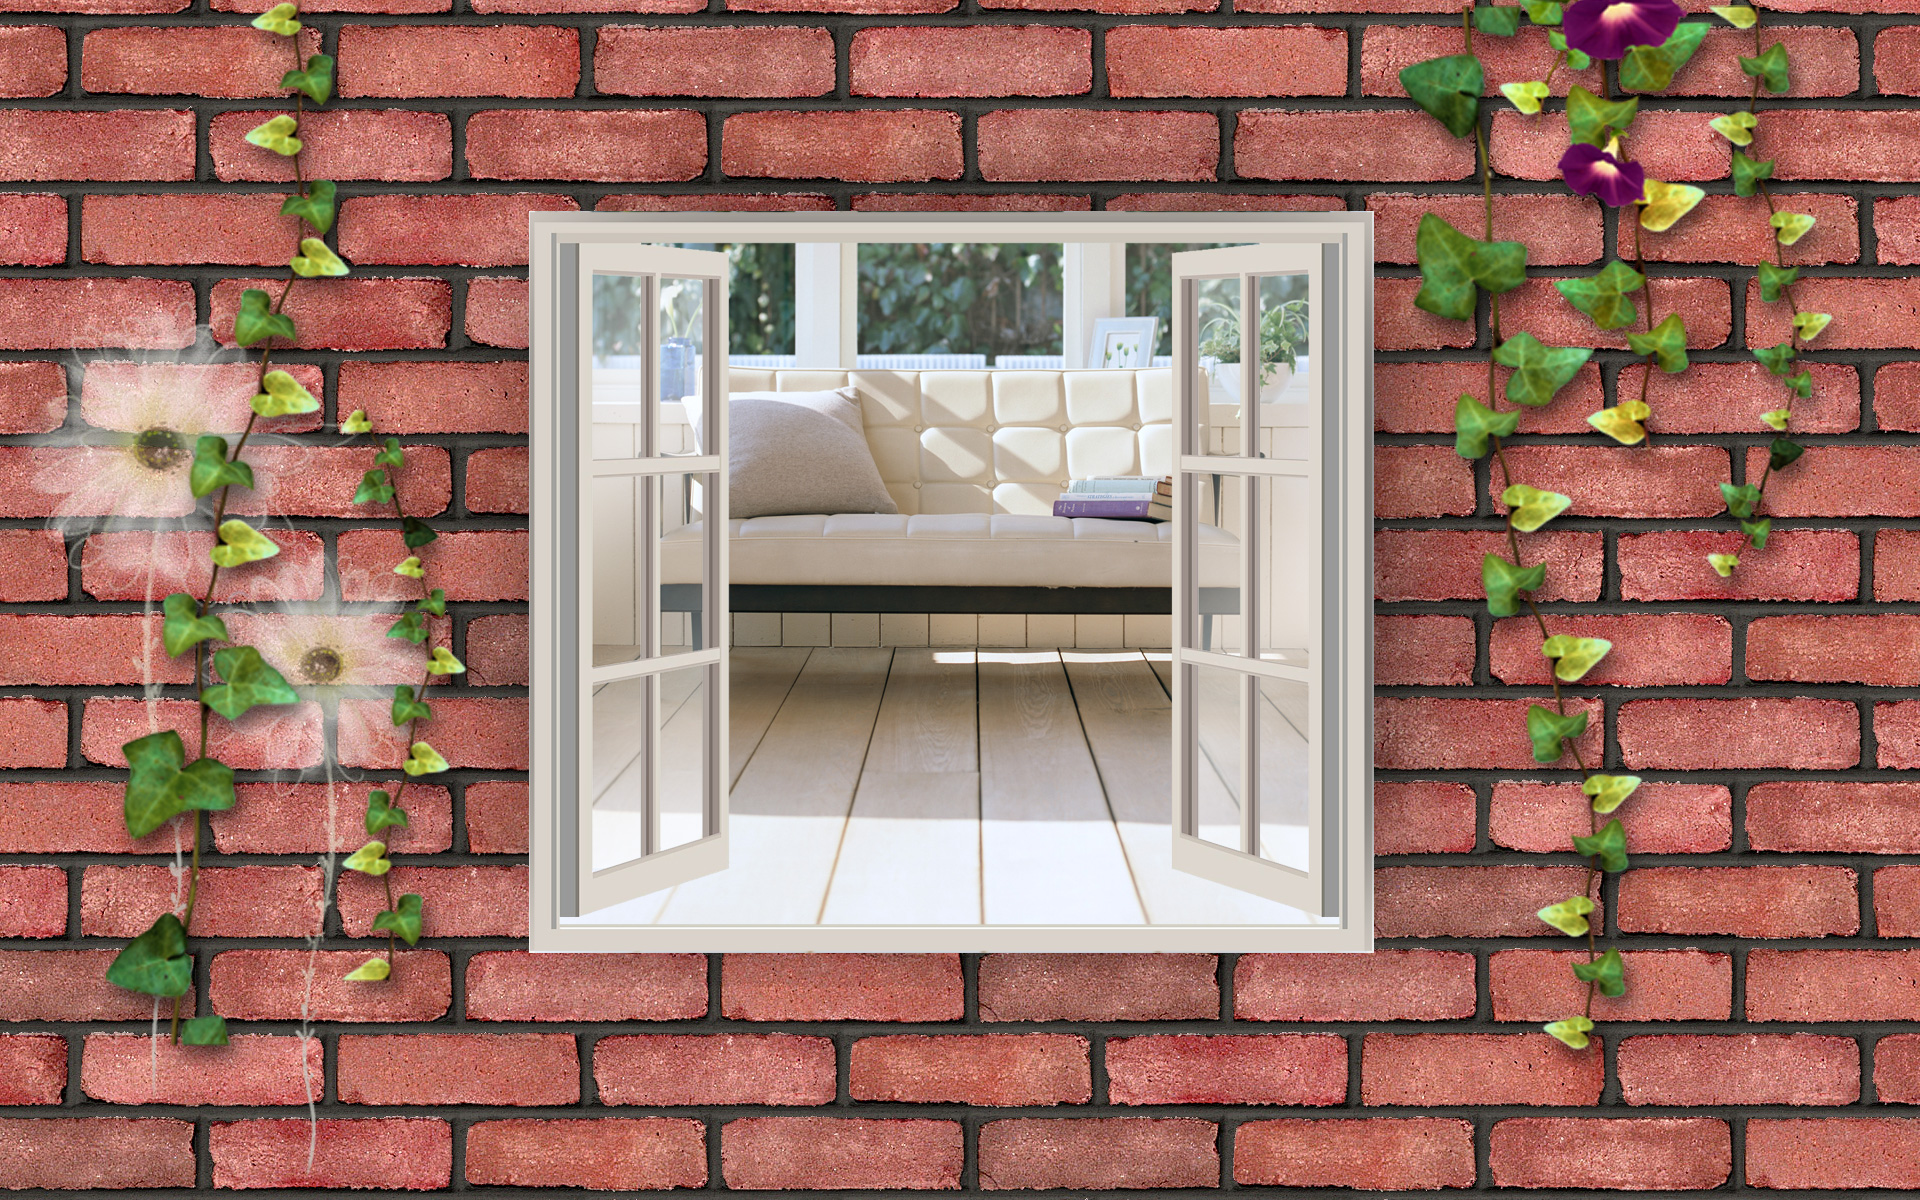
(998, 441)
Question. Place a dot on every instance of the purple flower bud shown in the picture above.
(1608, 28)
(1591, 171)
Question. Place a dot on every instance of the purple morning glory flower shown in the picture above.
(1591, 171)
(1608, 28)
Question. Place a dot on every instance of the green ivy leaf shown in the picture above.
(411, 568)
(1782, 453)
(1604, 297)
(1740, 498)
(1811, 325)
(256, 319)
(1777, 419)
(1622, 421)
(1723, 564)
(1593, 120)
(1790, 227)
(241, 543)
(205, 784)
(1531, 508)
(210, 1030)
(1736, 127)
(249, 680)
(211, 471)
(1547, 729)
(1573, 1031)
(283, 396)
(411, 626)
(1542, 12)
(185, 628)
(382, 813)
(1609, 791)
(416, 533)
(1607, 971)
(316, 81)
(403, 921)
(1526, 96)
(1802, 384)
(1609, 846)
(1576, 59)
(276, 135)
(1449, 89)
(1651, 68)
(374, 488)
(1770, 68)
(1739, 16)
(371, 971)
(1778, 358)
(155, 963)
(1503, 583)
(423, 759)
(278, 19)
(407, 706)
(1666, 203)
(316, 258)
(356, 422)
(1539, 370)
(1498, 20)
(153, 764)
(1574, 656)
(444, 663)
(1757, 531)
(1474, 423)
(435, 603)
(392, 454)
(1569, 916)
(1667, 344)
(1775, 280)
(316, 208)
(1453, 264)
(370, 859)
(1748, 174)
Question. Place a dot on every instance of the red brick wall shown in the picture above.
(1764, 1041)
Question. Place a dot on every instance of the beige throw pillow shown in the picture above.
(800, 452)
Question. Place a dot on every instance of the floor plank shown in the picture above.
(759, 682)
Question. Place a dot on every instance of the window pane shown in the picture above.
(619, 782)
(1150, 282)
(1218, 726)
(986, 298)
(683, 756)
(1283, 771)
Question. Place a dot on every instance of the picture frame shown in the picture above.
(1123, 342)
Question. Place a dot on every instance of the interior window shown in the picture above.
(1150, 283)
(979, 299)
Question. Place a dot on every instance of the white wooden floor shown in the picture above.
(953, 787)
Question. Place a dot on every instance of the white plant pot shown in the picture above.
(1227, 377)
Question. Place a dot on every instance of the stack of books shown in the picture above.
(1119, 497)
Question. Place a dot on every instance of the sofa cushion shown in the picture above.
(800, 452)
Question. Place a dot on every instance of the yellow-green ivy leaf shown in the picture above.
(1774, 281)
(1609, 846)
(424, 760)
(1740, 498)
(1574, 656)
(1736, 127)
(241, 543)
(283, 396)
(1609, 792)
(279, 19)
(1504, 582)
(1547, 729)
(316, 258)
(444, 663)
(1811, 325)
(374, 488)
(1474, 423)
(1573, 1031)
(1790, 227)
(1666, 203)
(371, 971)
(1757, 531)
(1607, 972)
(1531, 507)
(1622, 421)
(1802, 384)
(356, 422)
(276, 135)
(1723, 564)
(1525, 96)
(370, 859)
(1739, 16)
(411, 568)
(1777, 419)
(1569, 916)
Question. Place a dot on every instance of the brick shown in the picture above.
(1734, 229)
(1704, 304)
(126, 395)
(33, 61)
(1872, 1153)
(1475, 902)
(1374, 146)
(606, 146)
(220, 62)
(1664, 650)
(458, 1068)
(452, 397)
(1833, 985)
(33, 1068)
(743, 1068)
(1221, 202)
(1288, 1068)
(610, 1154)
(1896, 49)
(93, 6)
(116, 566)
(572, 6)
(1869, 314)
(177, 230)
(69, 985)
(1674, 146)
(763, 1153)
(1791, 733)
(83, 650)
(1844, 482)
(125, 144)
(1418, 397)
(1878, 650)
(840, 987)
(1896, 397)
(1397, 325)
(1374, 1155)
(1660, 818)
(1423, 817)
(1098, 987)
(1421, 481)
(139, 1068)
(718, 202)
(753, 61)
(33, 399)
(121, 902)
(1896, 1069)
(1808, 816)
(512, 985)
(497, 480)
(79, 314)
(293, 818)
(1729, 398)
(1094, 144)
(1754, 1068)
(497, 312)
(1798, 564)
(340, 6)
(490, 733)
(950, 202)
(1666, 985)
(33, 565)
(1428, 733)
(1273, 60)
(1878, 146)
(875, 7)
(1559, 229)
(390, 145)
(352, 314)
(477, 565)
(1430, 650)
(1896, 902)
(33, 733)
(1099, 1154)
(404, 61)
(1896, 572)
(867, 146)
(33, 902)
(496, 811)
(980, 1069)
(465, 231)
(95, 1152)
(985, 60)
(1387, 50)
(1387, 985)
(1129, 7)
(1896, 230)
(290, 985)
(319, 481)
(497, 651)
(459, 901)
(411, 1153)
(1476, 1068)
(1627, 1155)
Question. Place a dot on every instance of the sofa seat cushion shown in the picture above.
(951, 550)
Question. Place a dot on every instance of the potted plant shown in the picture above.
(679, 370)
(1283, 334)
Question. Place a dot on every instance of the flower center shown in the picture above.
(320, 665)
(160, 450)
(1617, 12)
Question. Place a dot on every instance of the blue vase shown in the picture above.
(679, 375)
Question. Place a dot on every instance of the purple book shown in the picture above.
(1141, 509)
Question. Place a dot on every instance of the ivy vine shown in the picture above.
(1639, 45)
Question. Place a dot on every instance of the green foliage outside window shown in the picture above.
(960, 298)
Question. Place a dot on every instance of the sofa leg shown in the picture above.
(696, 616)
(1206, 631)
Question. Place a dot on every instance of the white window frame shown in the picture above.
(1344, 661)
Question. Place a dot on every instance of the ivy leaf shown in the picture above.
(155, 963)
(1782, 453)
(1569, 916)
(1736, 127)
(1498, 20)
(1531, 507)
(410, 626)
(1609, 791)
(370, 859)
(1770, 68)
(1592, 120)
(1547, 729)
(416, 533)
(423, 759)
(1574, 656)
(1449, 89)
(256, 319)
(1503, 583)
(1811, 325)
(1666, 203)
(407, 706)
(241, 543)
(1579, 60)
(1526, 96)
(1622, 421)
(1609, 846)
(1777, 419)
(276, 135)
(211, 471)
(392, 454)
(250, 681)
(411, 568)
(1723, 564)
(1539, 370)
(403, 921)
(1775, 280)
(1452, 264)
(1651, 68)
(316, 208)
(371, 971)
(1802, 384)
(1573, 1031)
(153, 763)
(1757, 531)
(1737, 15)
(444, 663)
(1604, 297)
(1542, 12)
(316, 258)
(1474, 423)
(356, 422)
(210, 1030)
(1777, 358)
(316, 81)
(435, 603)
(382, 813)
(1790, 227)
(1747, 174)
(283, 396)
(1740, 498)
(279, 19)
(374, 488)
(1607, 971)
(205, 784)
(1667, 344)
(185, 628)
